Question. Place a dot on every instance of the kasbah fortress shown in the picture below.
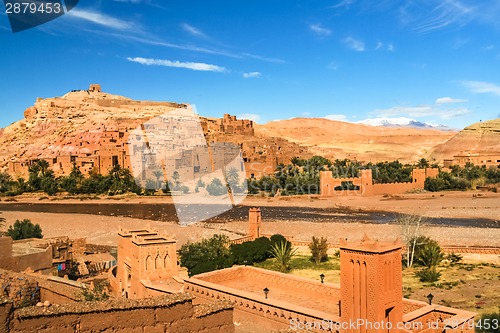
(148, 292)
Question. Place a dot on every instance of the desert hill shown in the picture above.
(337, 139)
(482, 138)
(72, 123)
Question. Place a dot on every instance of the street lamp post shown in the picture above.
(430, 297)
(322, 277)
(266, 291)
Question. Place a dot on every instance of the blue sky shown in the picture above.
(351, 60)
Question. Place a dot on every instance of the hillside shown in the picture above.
(336, 139)
(482, 138)
(72, 124)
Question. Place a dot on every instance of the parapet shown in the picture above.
(366, 244)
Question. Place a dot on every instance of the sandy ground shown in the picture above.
(102, 229)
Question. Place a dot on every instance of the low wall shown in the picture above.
(173, 313)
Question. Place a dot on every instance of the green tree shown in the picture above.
(216, 188)
(24, 229)
(176, 176)
(205, 256)
(158, 174)
(72, 183)
(319, 248)
(422, 163)
(233, 180)
(121, 181)
(248, 253)
(283, 253)
(6, 182)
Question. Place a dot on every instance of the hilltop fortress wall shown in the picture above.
(100, 149)
(364, 186)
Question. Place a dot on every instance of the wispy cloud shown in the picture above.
(382, 46)
(333, 65)
(431, 16)
(480, 87)
(337, 117)
(265, 59)
(342, 4)
(449, 100)
(319, 30)
(251, 75)
(193, 31)
(196, 66)
(354, 44)
(101, 19)
(250, 116)
(423, 111)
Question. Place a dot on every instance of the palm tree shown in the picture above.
(430, 256)
(158, 173)
(283, 252)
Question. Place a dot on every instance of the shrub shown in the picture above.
(428, 274)
(207, 255)
(430, 256)
(318, 248)
(454, 258)
(24, 229)
(248, 253)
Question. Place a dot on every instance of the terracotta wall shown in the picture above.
(173, 313)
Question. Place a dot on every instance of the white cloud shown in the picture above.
(193, 31)
(355, 44)
(319, 30)
(448, 100)
(423, 111)
(196, 66)
(333, 65)
(480, 87)
(251, 75)
(337, 117)
(381, 46)
(100, 19)
(390, 47)
(250, 116)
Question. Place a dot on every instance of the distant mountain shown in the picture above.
(401, 122)
(337, 139)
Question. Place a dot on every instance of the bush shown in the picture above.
(488, 323)
(454, 258)
(248, 253)
(430, 256)
(428, 274)
(207, 255)
(216, 188)
(24, 229)
(318, 248)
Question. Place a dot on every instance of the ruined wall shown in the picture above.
(6, 253)
(174, 313)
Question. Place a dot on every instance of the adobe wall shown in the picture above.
(36, 261)
(21, 287)
(366, 187)
(6, 261)
(174, 313)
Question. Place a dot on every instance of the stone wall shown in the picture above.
(173, 314)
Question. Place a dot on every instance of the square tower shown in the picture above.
(371, 285)
(254, 223)
(144, 255)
